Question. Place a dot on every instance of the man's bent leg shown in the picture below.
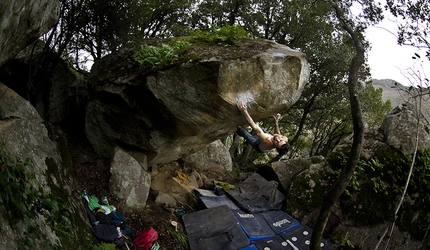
(249, 138)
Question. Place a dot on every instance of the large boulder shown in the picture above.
(400, 129)
(41, 149)
(22, 22)
(365, 210)
(130, 179)
(362, 213)
(180, 109)
(215, 158)
(59, 95)
(307, 189)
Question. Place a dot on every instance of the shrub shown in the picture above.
(376, 187)
(149, 56)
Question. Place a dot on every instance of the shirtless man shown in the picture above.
(263, 141)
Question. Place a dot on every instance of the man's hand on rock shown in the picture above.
(276, 117)
(242, 106)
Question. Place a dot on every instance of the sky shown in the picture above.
(388, 60)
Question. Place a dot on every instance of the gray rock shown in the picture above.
(22, 22)
(368, 237)
(307, 189)
(24, 136)
(165, 198)
(215, 157)
(129, 180)
(183, 108)
(400, 129)
(286, 170)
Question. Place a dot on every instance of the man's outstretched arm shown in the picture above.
(276, 117)
(244, 110)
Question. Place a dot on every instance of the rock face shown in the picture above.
(400, 129)
(181, 109)
(59, 96)
(214, 157)
(364, 211)
(25, 136)
(22, 22)
(130, 180)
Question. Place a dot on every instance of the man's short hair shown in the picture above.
(282, 150)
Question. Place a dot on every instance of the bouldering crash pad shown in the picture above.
(215, 229)
(255, 195)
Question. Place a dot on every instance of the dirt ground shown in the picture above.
(92, 174)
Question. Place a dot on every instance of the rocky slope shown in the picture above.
(398, 94)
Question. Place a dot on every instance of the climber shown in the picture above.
(263, 141)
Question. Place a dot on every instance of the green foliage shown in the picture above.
(377, 184)
(180, 237)
(373, 107)
(229, 34)
(341, 240)
(414, 29)
(389, 170)
(149, 56)
(21, 201)
(104, 246)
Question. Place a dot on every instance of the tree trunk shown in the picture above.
(306, 111)
(339, 186)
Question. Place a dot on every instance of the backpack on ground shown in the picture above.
(107, 227)
(108, 234)
(103, 218)
(146, 240)
(117, 218)
(90, 214)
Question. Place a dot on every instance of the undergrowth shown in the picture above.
(377, 185)
(390, 172)
(180, 237)
(104, 246)
(155, 57)
(21, 201)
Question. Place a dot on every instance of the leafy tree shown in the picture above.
(90, 29)
(355, 32)
(321, 114)
(413, 29)
(107, 26)
(158, 18)
(94, 28)
(215, 13)
(265, 19)
(374, 108)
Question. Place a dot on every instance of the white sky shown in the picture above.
(388, 60)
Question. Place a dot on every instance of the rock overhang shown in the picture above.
(180, 109)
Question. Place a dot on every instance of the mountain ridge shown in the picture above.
(398, 94)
